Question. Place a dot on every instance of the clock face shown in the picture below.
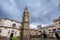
(26, 19)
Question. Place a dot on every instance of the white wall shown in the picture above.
(8, 23)
(6, 30)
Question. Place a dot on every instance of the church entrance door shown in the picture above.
(11, 36)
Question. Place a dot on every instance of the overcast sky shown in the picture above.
(41, 11)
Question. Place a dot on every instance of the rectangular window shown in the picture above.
(53, 30)
(58, 28)
(59, 22)
(44, 31)
(49, 30)
(40, 31)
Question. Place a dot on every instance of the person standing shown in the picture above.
(15, 37)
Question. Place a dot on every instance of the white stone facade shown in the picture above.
(50, 30)
(8, 26)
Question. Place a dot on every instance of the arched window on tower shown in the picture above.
(0, 30)
(0, 21)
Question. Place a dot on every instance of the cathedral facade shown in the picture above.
(9, 27)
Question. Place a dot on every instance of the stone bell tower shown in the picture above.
(25, 24)
(26, 18)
